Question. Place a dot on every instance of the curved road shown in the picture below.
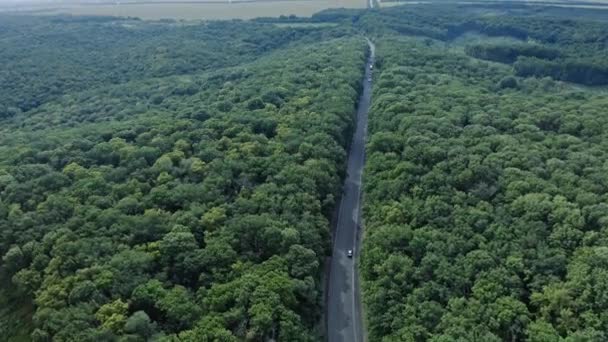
(344, 322)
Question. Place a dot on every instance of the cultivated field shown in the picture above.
(196, 10)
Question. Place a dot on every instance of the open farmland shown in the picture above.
(196, 10)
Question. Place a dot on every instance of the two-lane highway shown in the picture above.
(344, 322)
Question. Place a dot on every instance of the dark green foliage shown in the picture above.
(508, 82)
(508, 53)
(582, 71)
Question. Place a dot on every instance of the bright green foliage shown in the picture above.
(112, 316)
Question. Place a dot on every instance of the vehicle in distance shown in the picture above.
(349, 253)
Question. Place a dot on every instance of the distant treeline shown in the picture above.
(577, 71)
(540, 61)
(564, 49)
(508, 53)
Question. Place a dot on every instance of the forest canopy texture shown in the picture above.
(172, 181)
(186, 204)
(485, 193)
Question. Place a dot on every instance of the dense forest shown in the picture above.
(75, 53)
(191, 206)
(485, 199)
(176, 181)
(564, 49)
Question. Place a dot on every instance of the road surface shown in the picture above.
(344, 322)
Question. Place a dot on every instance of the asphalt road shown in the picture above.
(343, 301)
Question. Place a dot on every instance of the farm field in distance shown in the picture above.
(190, 10)
(222, 10)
